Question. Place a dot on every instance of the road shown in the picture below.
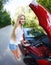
(6, 56)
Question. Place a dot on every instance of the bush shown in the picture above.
(4, 19)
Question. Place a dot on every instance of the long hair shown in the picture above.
(13, 36)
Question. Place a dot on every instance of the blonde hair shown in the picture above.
(13, 36)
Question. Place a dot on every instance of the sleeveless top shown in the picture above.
(19, 36)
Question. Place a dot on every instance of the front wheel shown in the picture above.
(29, 61)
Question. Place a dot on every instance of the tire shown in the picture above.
(29, 61)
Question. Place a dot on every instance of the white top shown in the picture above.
(19, 36)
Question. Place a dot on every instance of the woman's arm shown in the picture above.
(25, 43)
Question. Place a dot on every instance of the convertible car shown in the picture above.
(40, 44)
(39, 49)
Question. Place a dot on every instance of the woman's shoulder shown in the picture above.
(18, 27)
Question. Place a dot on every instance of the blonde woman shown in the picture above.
(17, 36)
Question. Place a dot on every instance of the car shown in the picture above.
(39, 49)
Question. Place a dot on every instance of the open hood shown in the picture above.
(43, 15)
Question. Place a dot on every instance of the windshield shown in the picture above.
(29, 32)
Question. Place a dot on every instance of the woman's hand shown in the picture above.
(25, 43)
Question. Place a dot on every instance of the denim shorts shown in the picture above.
(13, 46)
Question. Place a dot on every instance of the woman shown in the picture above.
(17, 36)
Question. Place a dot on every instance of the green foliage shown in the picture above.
(4, 16)
(13, 22)
(31, 19)
(1, 3)
(1, 6)
(4, 19)
(46, 4)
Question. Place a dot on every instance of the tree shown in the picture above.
(4, 16)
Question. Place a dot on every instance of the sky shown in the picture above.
(12, 5)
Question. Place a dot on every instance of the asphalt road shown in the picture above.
(6, 56)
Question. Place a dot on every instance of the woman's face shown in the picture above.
(22, 20)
